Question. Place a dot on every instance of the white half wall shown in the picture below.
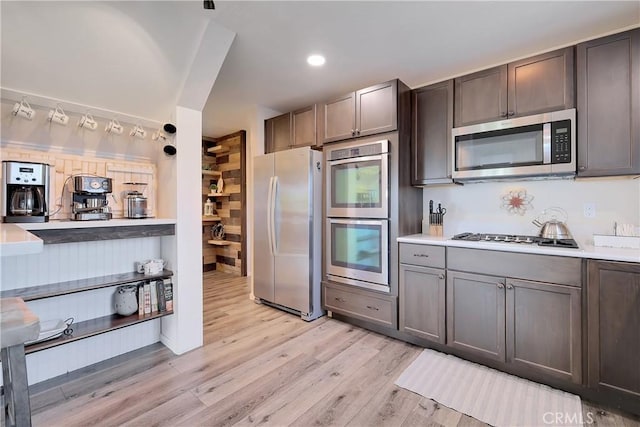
(183, 331)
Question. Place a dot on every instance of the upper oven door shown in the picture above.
(358, 187)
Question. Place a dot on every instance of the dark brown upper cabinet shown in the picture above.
(608, 81)
(277, 133)
(529, 86)
(365, 112)
(432, 120)
(291, 130)
(303, 127)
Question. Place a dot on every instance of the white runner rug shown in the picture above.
(489, 395)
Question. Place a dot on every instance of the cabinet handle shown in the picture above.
(441, 276)
(582, 168)
(373, 308)
(500, 285)
(353, 132)
(509, 286)
(510, 113)
(421, 255)
(339, 299)
(357, 132)
(503, 114)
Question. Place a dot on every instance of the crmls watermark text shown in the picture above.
(567, 418)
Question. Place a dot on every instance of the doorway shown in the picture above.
(224, 192)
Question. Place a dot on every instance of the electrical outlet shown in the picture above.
(589, 210)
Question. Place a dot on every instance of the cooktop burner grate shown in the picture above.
(518, 239)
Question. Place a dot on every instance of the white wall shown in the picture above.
(183, 331)
(478, 207)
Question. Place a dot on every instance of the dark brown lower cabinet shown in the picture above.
(422, 302)
(531, 326)
(613, 311)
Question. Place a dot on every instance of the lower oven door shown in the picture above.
(358, 252)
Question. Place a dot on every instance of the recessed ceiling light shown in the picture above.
(316, 60)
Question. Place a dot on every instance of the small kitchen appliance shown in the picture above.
(136, 205)
(542, 145)
(550, 226)
(90, 198)
(25, 188)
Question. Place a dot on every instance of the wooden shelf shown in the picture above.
(92, 234)
(81, 285)
(219, 242)
(218, 194)
(211, 173)
(94, 327)
(211, 218)
(218, 149)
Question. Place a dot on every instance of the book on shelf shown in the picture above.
(168, 294)
(141, 299)
(154, 297)
(147, 298)
(162, 306)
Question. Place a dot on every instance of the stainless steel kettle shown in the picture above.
(550, 226)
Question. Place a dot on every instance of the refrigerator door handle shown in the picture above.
(269, 212)
(274, 201)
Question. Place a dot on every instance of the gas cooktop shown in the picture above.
(512, 238)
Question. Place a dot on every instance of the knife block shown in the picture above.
(436, 224)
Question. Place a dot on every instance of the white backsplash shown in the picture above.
(478, 207)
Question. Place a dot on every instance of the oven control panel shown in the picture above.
(561, 141)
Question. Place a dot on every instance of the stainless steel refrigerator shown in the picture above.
(287, 247)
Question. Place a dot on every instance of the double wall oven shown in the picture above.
(357, 250)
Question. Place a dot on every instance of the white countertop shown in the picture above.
(62, 224)
(585, 251)
(14, 240)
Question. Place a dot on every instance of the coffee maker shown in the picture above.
(25, 192)
(90, 198)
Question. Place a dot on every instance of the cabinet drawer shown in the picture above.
(540, 268)
(424, 255)
(361, 305)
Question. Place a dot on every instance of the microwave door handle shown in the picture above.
(546, 143)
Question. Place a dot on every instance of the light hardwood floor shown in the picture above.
(259, 366)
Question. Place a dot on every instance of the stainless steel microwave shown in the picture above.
(543, 145)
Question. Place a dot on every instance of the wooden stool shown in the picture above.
(18, 325)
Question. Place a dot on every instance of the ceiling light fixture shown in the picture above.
(315, 60)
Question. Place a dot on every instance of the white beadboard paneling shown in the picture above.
(59, 360)
(81, 260)
(81, 306)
